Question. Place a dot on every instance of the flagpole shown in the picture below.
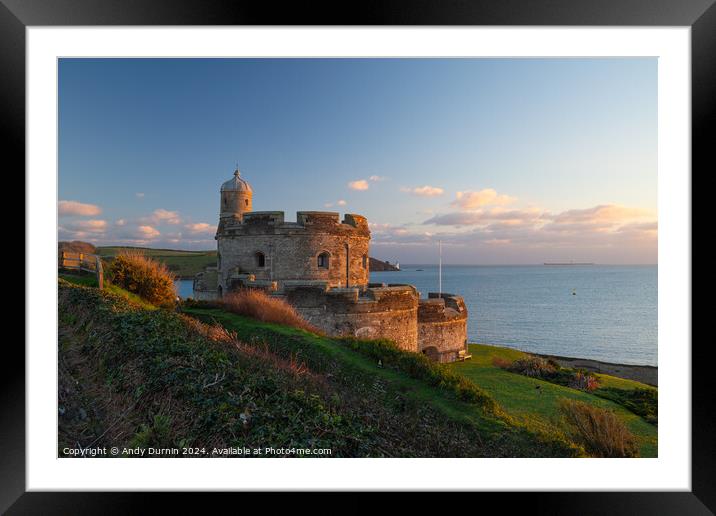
(440, 269)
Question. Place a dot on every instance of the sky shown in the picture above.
(505, 161)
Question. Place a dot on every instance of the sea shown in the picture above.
(600, 312)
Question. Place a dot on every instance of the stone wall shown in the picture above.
(270, 248)
(442, 326)
(384, 312)
(205, 284)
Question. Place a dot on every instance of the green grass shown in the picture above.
(539, 408)
(129, 296)
(85, 280)
(155, 378)
(131, 352)
(91, 281)
(321, 353)
(185, 264)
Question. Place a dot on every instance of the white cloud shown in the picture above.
(162, 216)
(492, 215)
(359, 184)
(78, 208)
(425, 191)
(340, 202)
(200, 228)
(86, 226)
(377, 179)
(148, 232)
(470, 200)
(140, 195)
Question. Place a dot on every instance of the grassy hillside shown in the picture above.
(185, 264)
(135, 377)
(538, 408)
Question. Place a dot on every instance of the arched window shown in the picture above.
(260, 259)
(246, 201)
(323, 260)
(365, 261)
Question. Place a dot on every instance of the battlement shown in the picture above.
(309, 221)
(352, 299)
(441, 307)
(273, 218)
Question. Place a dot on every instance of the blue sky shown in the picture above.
(504, 160)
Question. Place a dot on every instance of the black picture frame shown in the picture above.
(700, 15)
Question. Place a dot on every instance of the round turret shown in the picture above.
(236, 196)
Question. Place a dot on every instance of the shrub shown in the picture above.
(502, 363)
(257, 304)
(144, 277)
(601, 432)
(584, 381)
(535, 367)
(642, 402)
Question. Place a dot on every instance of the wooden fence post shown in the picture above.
(100, 272)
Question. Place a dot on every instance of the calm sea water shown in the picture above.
(612, 315)
(185, 288)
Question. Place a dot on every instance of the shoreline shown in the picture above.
(640, 373)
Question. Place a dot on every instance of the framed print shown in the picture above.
(432, 247)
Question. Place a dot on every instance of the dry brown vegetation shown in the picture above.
(257, 304)
(601, 432)
(140, 275)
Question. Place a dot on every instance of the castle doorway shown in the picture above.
(432, 353)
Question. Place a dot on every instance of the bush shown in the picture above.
(549, 370)
(502, 363)
(140, 275)
(642, 402)
(257, 304)
(584, 381)
(535, 367)
(601, 432)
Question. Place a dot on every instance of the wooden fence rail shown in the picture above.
(83, 262)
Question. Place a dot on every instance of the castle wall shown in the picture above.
(442, 326)
(262, 250)
(385, 312)
(290, 250)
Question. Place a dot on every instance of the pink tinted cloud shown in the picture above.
(78, 208)
(470, 200)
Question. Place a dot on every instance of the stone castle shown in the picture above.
(320, 264)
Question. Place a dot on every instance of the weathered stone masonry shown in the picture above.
(320, 265)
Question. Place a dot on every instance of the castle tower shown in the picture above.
(236, 196)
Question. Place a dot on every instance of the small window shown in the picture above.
(260, 260)
(246, 201)
(365, 261)
(323, 260)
